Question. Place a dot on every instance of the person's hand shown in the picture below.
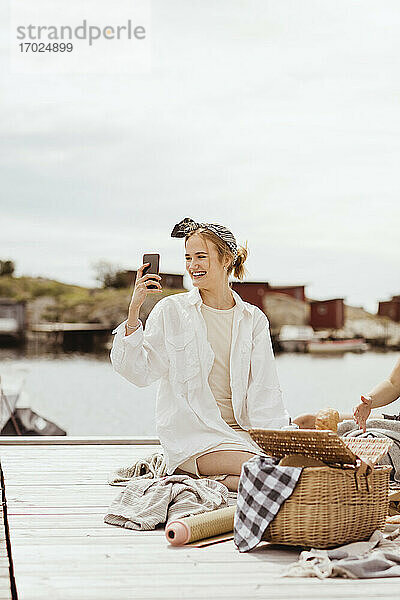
(141, 288)
(362, 412)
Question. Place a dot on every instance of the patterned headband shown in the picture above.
(187, 225)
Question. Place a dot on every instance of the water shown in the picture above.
(84, 396)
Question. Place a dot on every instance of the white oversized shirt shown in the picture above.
(174, 349)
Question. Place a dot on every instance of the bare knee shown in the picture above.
(223, 462)
(231, 482)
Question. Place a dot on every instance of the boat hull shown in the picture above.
(337, 346)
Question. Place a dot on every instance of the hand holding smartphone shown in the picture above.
(147, 273)
(152, 268)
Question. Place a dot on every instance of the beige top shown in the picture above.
(219, 334)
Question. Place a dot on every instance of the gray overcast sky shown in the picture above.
(279, 119)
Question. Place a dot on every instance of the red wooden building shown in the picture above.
(327, 314)
(295, 291)
(390, 308)
(253, 291)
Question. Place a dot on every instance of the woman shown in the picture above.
(212, 352)
(383, 394)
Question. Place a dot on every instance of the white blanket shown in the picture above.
(378, 428)
(146, 503)
(378, 557)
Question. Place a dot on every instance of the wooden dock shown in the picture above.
(68, 327)
(60, 548)
(71, 336)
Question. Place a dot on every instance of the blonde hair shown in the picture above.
(238, 269)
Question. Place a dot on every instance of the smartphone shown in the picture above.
(154, 260)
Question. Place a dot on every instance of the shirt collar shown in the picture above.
(194, 297)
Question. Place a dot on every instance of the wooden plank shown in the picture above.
(76, 553)
(69, 588)
(65, 440)
(48, 492)
(107, 532)
(69, 521)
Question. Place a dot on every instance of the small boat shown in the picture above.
(16, 420)
(337, 346)
(25, 421)
(295, 338)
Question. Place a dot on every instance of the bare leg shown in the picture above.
(220, 462)
(231, 482)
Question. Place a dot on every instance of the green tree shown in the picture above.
(109, 275)
(7, 267)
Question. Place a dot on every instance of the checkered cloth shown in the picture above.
(263, 488)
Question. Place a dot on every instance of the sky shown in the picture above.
(279, 119)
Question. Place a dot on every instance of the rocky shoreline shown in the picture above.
(377, 331)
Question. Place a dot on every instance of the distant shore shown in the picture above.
(51, 301)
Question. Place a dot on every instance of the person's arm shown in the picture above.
(141, 356)
(383, 394)
(133, 322)
(264, 395)
(388, 390)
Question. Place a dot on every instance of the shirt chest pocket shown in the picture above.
(183, 356)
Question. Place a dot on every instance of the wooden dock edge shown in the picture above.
(7, 580)
(67, 440)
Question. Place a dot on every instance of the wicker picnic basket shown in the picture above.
(331, 505)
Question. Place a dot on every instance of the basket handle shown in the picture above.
(361, 469)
